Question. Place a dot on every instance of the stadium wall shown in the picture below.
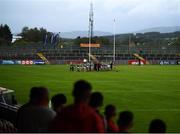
(120, 62)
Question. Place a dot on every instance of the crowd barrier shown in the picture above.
(22, 62)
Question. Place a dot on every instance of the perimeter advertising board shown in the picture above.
(136, 62)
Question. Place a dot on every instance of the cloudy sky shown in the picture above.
(72, 15)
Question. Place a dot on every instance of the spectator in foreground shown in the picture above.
(96, 101)
(35, 116)
(125, 121)
(58, 101)
(79, 116)
(110, 114)
(157, 126)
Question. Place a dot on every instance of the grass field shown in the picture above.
(148, 91)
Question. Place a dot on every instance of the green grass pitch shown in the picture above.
(148, 91)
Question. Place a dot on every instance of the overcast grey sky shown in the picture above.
(72, 15)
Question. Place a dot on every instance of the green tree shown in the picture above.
(34, 34)
(96, 39)
(5, 34)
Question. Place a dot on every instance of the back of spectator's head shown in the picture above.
(82, 90)
(58, 100)
(110, 111)
(125, 119)
(96, 100)
(157, 126)
(39, 95)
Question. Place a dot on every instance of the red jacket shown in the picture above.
(78, 118)
(112, 127)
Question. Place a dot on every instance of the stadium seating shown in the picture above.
(105, 53)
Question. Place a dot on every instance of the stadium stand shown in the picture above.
(105, 54)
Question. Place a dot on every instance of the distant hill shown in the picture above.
(169, 29)
(75, 34)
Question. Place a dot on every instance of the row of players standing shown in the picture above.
(91, 67)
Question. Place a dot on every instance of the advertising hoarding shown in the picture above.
(136, 62)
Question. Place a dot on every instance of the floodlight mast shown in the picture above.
(114, 42)
(90, 33)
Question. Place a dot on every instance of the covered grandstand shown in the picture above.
(105, 54)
